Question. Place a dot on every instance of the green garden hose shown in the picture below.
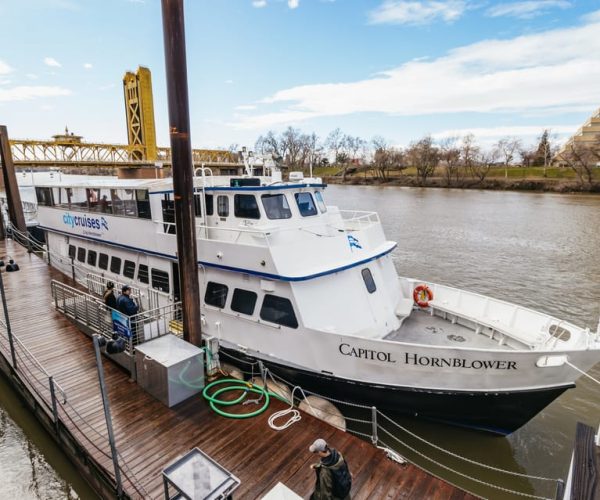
(237, 385)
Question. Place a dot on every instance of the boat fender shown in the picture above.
(323, 410)
(275, 387)
(232, 371)
(422, 295)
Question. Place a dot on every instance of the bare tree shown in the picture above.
(483, 163)
(269, 144)
(527, 156)
(507, 149)
(351, 147)
(582, 158)
(424, 155)
(335, 143)
(450, 159)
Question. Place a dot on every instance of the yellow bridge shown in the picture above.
(69, 150)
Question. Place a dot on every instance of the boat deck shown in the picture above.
(423, 328)
(149, 436)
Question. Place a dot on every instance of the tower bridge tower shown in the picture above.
(139, 109)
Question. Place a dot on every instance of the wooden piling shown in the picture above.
(183, 173)
(13, 197)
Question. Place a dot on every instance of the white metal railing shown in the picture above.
(93, 316)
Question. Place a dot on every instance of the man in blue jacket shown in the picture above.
(125, 303)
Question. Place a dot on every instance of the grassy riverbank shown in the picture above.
(552, 179)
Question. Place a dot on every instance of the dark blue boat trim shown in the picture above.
(496, 412)
(251, 188)
(231, 268)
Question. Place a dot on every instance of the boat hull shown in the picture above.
(498, 413)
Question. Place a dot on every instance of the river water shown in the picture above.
(539, 250)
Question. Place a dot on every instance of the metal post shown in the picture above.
(374, 436)
(54, 408)
(73, 268)
(111, 437)
(560, 489)
(8, 329)
(183, 170)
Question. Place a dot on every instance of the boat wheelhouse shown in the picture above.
(312, 291)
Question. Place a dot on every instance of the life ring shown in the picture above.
(422, 295)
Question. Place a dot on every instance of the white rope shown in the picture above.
(582, 372)
(295, 414)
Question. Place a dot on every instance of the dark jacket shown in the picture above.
(126, 305)
(109, 298)
(324, 482)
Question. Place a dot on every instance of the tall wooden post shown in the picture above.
(13, 197)
(183, 170)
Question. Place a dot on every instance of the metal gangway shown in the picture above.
(92, 316)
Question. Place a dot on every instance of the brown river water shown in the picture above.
(539, 250)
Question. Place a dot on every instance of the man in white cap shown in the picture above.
(334, 481)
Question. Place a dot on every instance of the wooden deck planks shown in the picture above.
(149, 435)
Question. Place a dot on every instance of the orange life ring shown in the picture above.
(422, 295)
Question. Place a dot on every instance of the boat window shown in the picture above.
(216, 294)
(44, 196)
(210, 210)
(278, 310)
(115, 265)
(223, 206)
(72, 251)
(103, 261)
(99, 200)
(81, 254)
(208, 202)
(129, 269)
(92, 256)
(124, 202)
(368, 279)
(143, 274)
(245, 206)
(306, 204)
(143, 203)
(168, 214)
(160, 280)
(320, 202)
(243, 301)
(276, 206)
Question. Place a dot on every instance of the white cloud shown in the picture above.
(32, 76)
(228, 82)
(53, 63)
(417, 12)
(245, 107)
(88, 65)
(293, 4)
(527, 9)
(4, 68)
(26, 93)
(537, 73)
(259, 4)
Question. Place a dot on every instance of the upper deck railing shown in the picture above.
(263, 236)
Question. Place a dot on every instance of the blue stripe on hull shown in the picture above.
(230, 268)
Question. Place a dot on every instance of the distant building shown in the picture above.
(587, 135)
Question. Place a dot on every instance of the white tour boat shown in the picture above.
(312, 291)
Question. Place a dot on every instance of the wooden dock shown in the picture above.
(149, 436)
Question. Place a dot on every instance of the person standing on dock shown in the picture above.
(334, 480)
(125, 303)
(109, 296)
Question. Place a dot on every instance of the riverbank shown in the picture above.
(496, 184)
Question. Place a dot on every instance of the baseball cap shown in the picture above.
(124, 288)
(318, 445)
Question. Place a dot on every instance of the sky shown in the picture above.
(391, 68)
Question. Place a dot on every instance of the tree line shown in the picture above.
(455, 157)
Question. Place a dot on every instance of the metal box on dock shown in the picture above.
(170, 369)
(196, 476)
